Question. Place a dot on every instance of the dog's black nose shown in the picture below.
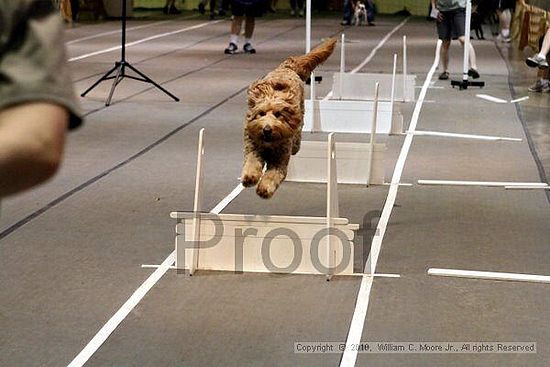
(267, 133)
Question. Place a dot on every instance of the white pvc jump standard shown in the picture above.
(359, 86)
(358, 163)
(311, 245)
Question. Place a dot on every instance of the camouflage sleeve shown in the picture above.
(33, 66)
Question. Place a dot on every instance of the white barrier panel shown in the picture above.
(309, 165)
(256, 243)
(360, 86)
(266, 243)
(351, 117)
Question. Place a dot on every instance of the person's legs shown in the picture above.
(539, 59)
(236, 25)
(545, 44)
(249, 24)
(471, 53)
(444, 55)
(542, 84)
(347, 12)
(444, 23)
(504, 20)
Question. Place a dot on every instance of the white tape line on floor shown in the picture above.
(360, 313)
(138, 295)
(130, 44)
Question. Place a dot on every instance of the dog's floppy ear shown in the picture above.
(255, 92)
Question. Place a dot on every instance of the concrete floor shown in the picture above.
(71, 251)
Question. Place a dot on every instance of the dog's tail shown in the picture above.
(304, 65)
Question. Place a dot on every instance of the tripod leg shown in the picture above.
(149, 80)
(117, 80)
(104, 77)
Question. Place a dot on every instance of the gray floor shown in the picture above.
(71, 250)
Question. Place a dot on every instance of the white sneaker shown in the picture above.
(537, 61)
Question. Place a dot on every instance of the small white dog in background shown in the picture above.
(360, 15)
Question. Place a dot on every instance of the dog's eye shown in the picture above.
(277, 114)
(261, 113)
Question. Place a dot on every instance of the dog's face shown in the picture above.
(274, 113)
(360, 8)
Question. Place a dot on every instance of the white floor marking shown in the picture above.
(491, 98)
(130, 44)
(360, 313)
(138, 295)
(98, 35)
(500, 100)
(480, 183)
(462, 136)
(380, 44)
(489, 275)
(121, 314)
(526, 187)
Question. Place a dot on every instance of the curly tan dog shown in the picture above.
(273, 126)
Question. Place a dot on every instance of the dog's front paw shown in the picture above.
(266, 188)
(249, 180)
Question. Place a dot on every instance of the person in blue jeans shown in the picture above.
(348, 12)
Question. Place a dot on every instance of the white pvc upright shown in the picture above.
(404, 66)
(343, 55)
(467, 40)
(342, 64)
(392, 93)
(197, 207)
(373, 132)
(332, 202)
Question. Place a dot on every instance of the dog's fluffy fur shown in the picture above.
(360, 15)
(274, 120)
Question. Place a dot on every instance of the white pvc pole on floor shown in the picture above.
(467, 40)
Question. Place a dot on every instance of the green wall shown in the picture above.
(416, 7)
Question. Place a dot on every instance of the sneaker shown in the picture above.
(473, 73)
(444, 75)
(201, 8)
(537, 61)
(301, 13)
(231, 49)
(292, 12)
(345, 22)
(247, 48)
(540, 87)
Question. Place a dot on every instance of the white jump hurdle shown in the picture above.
(359, 86)
(349, 116)
(260, 243)
(358, 163)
